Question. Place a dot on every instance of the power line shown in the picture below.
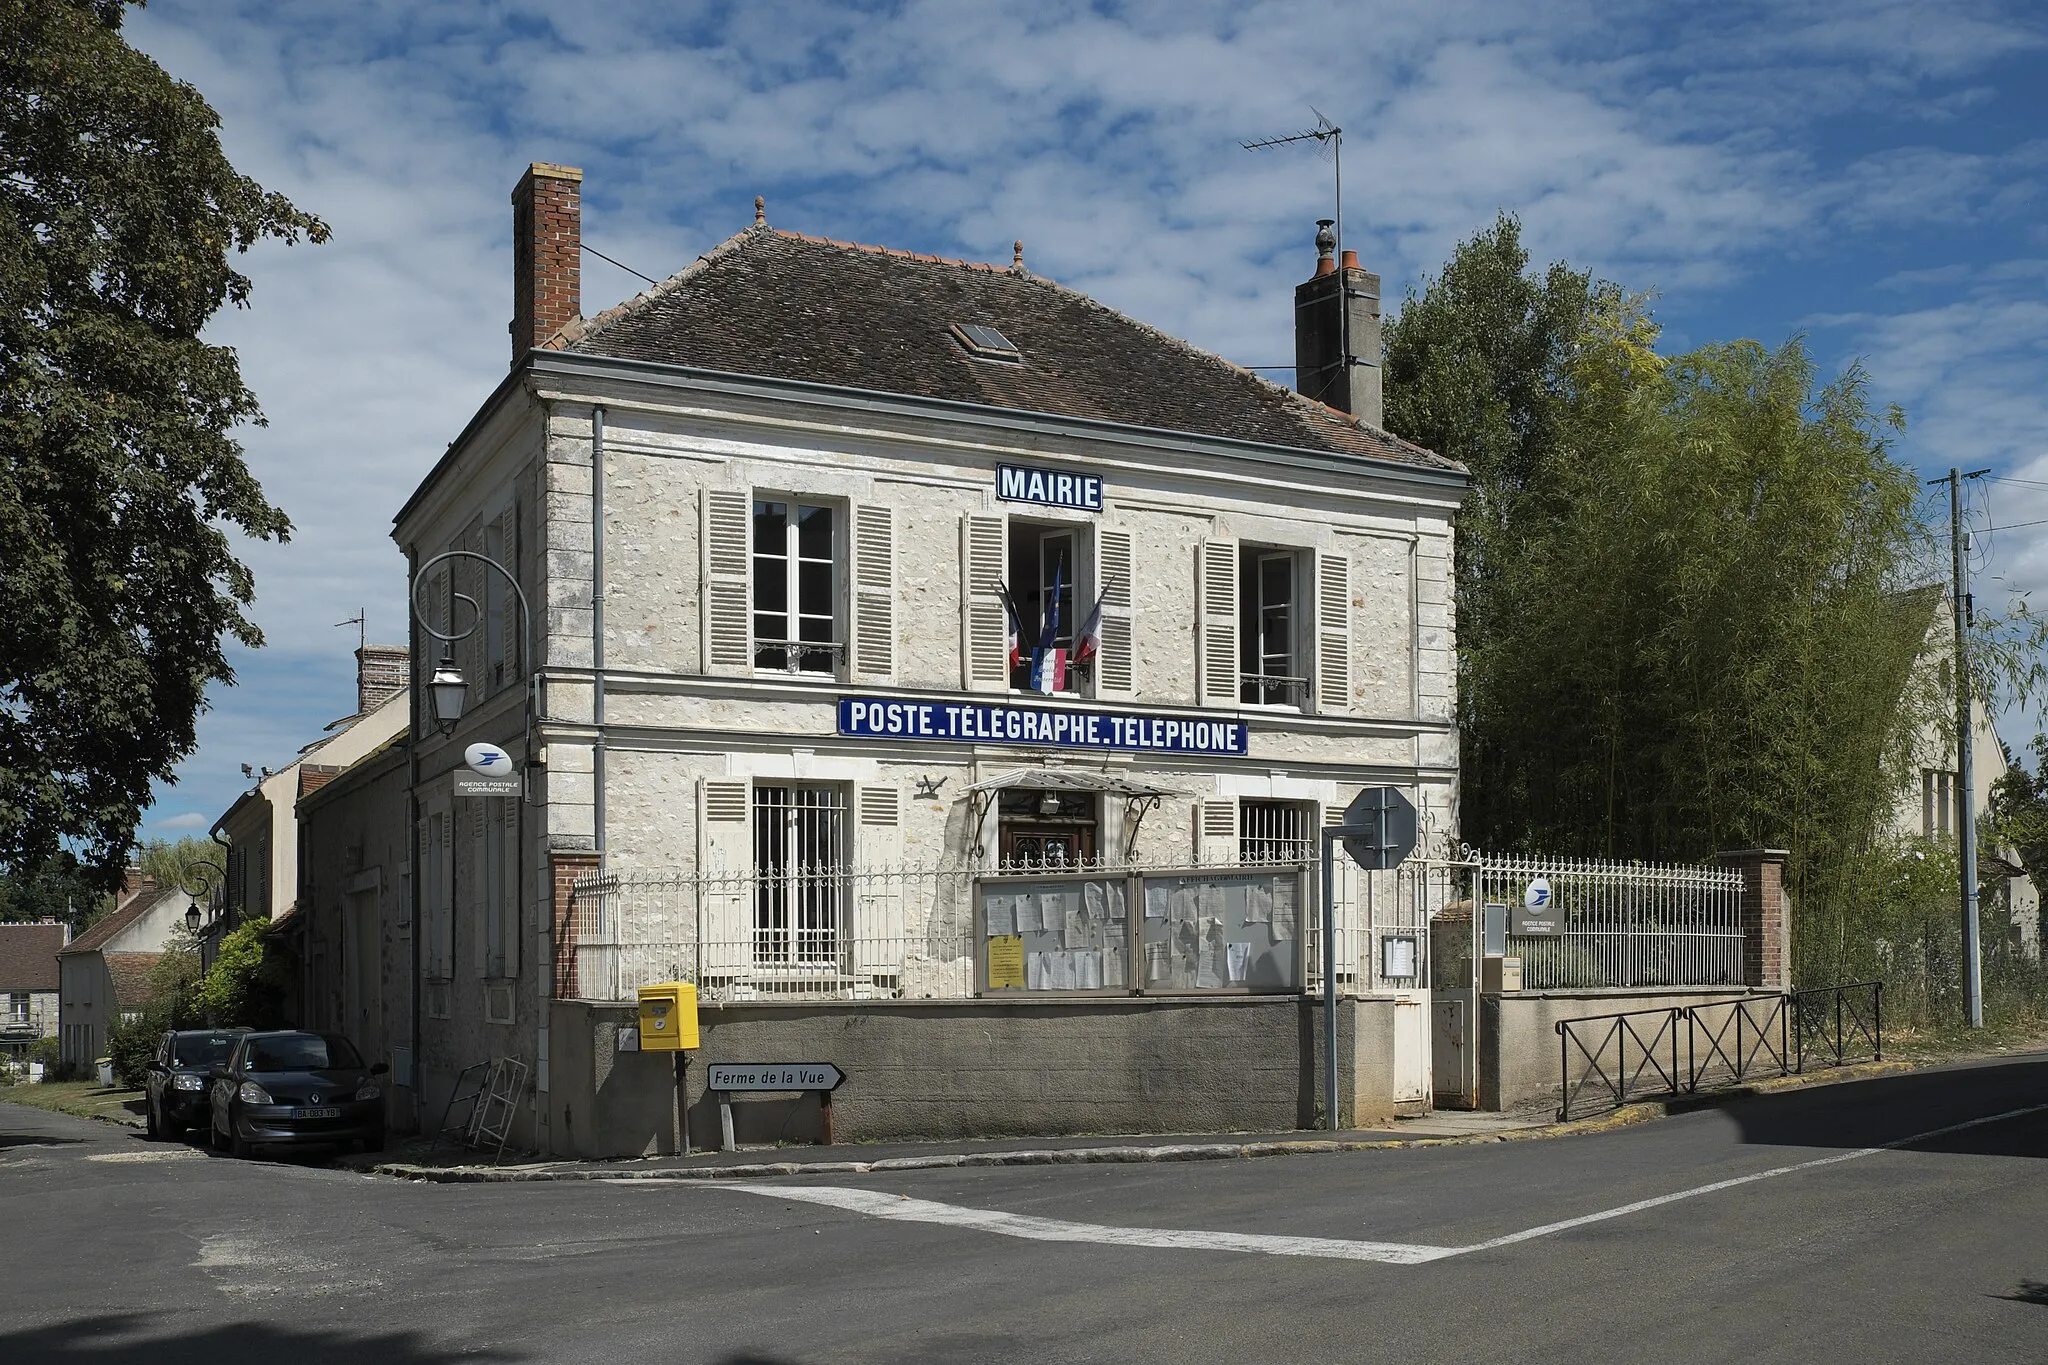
(620, 264)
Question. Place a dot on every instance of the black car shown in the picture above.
(296, 1089)
(174, 1096)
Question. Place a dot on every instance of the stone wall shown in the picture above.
(972, 1069)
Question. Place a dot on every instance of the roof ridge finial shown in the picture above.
(760, 211)
(1017, 254)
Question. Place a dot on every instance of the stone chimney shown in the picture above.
(1331, 297)
(547, 254)
(382, 672)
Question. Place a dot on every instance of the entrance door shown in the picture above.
(1048, 845)
(1037, 828)
(361, 979)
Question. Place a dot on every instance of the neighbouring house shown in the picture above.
(1930, 806)
(947, 674)
(354, 913)
(28, 982)
(103, 974)
(260, 829)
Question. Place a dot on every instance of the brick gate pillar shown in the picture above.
(1766, 916)
(564, 869)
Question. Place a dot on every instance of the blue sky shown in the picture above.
(1871, 176)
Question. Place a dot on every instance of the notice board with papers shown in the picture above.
(1223, 931)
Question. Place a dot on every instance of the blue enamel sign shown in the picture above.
(1058, 727)
(1049, 487)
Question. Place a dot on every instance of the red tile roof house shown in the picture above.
(103, 974)
(28, 983)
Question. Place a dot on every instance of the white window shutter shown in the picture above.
(878, 930)
(725, 865)
(1216, 831)
(470, 582)
(1115, 664)
(873, 637)
(509, 630)
(728, 581)
(1333, 634)
(985, 655)
(1216, 623)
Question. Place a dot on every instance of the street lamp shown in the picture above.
(192, 918)
(447, 690)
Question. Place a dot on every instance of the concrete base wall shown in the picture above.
(1518, 1042)
(973, 1069)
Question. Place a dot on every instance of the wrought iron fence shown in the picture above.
(1620, 924)
(804, 931)
(1727, 1042)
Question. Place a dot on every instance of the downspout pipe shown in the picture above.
(597, 628)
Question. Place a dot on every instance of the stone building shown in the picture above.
(103, 974)
(765, 515)
(28, 983)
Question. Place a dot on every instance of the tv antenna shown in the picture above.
(362, 630)
(1328, 137)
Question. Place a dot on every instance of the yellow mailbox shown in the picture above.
(668, 1017)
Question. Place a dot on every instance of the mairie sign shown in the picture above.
(1021, 483)
(994, 723)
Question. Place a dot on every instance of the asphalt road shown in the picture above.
(1814, 1226)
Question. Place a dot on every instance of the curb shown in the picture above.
(1627, 1116)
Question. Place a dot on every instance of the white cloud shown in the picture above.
(1651, 145)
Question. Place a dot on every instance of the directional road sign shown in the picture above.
(773, 1076)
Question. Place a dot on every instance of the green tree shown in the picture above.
(120, 480)
(54, 889)
(250, 980)
(191, 864)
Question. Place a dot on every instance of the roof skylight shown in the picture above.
(986, 343)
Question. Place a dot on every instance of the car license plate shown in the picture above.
(316, 1113)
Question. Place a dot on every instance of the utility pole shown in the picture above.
(1966, 795)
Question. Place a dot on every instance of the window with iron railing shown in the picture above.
(797, 576)
(1271, 616)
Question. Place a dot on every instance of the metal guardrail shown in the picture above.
(1726, 1043)
(1620, 1031)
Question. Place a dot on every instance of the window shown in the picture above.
(1937, 803)
(1275, 832)
(796, 587)
(18, 1006)
(800, 891)
(1044, 562)
(301, 1052)
(437, 895)
(1269, 628)
(499, 936)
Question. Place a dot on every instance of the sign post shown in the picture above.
(1379, 830)
(722, 1078)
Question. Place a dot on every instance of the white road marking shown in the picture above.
(900, 1208)
(159, 1154)
(876, 1204)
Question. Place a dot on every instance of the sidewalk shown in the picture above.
(416, 1160)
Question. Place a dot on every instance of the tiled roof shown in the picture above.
(91, 940)
(787, 306)
(130, 974)
(28, 956)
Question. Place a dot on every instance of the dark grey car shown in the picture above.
(296, 1089)
(175, 1095)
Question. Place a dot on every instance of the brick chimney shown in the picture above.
(382, 672)
(547, 254)
(1319, 370)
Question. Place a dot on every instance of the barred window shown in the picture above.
(1275, 831)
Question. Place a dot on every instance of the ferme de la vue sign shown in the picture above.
(1048, 487)
(994, 723)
